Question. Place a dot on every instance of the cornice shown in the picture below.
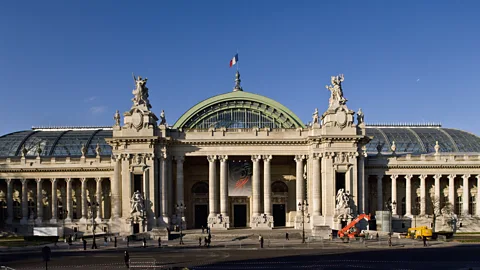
(424, 166)
(46, 170)
(239, 142)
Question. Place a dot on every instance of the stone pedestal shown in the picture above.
(53, 221)
(322, 232)
(298, 222)
(262, 222)
(219, 223)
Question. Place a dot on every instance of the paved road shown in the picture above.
(326, 256)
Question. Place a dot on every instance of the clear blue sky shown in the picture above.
(70, 62)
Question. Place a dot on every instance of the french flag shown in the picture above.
(234, 60)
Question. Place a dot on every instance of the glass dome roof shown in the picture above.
(56, 142)
(421, 139)
(68, 142)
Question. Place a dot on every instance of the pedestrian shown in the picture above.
(261, 241)
(126, 257)
(286, 236)
(205, 241)
(424, 238)
(389, 240)
(377, 236)
(105, 242)
(203, 229)
(199, 241)
(75, 237)
(115, 243)
(159, 241)
(84, 243)
(128, 241)
(144, 242)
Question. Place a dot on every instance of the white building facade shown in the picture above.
(236, 160)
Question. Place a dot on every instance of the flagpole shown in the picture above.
(237, 61)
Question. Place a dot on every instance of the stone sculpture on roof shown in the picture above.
(336, 93)
(140, 93)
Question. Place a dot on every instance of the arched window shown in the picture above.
(200, 188)
(404, 208)
(458, 205)
(280, 187)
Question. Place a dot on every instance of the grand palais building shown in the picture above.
(236, 160)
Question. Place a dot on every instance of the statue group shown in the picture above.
(140, 93)
(136, 203)
(336, 95)
(343, 200)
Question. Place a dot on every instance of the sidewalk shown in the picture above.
(247, 243)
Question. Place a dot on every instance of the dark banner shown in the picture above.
(239, 178)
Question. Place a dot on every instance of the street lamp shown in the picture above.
(391, 207)
(64, 213)
(180, 210)
(303, 207)
(93, 209)
(417, 210)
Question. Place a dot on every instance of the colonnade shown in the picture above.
(465, 192)
(218, 190)
(52, 200)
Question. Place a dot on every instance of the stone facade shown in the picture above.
(182, 172)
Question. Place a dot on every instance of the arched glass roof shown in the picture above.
(55, 142)
(68, 142)
(421, 139)
(238, 110)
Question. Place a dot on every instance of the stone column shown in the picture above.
(267, 185)
(223, 186)
(9, 201)
(39, 201)
(362, 184)
(180, 160)
(54, 201)
(477, 210)
(116, 193)
(465, 195)
(300, 184)
(437, 205)
(256, 185)
(84, 199)
(180, 188)
(451, 190)
(163, 186)
(99, 200)
(69, 201)
(379, 193)
(212, 185)
(24, 201)
(316, 185)
(394, 193)
(408, 195)
(423, 195)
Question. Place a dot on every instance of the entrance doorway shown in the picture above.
(279, 215)
(201, 215)
(239, 215)
(136, 228)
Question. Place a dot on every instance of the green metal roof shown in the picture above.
(278, 109)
